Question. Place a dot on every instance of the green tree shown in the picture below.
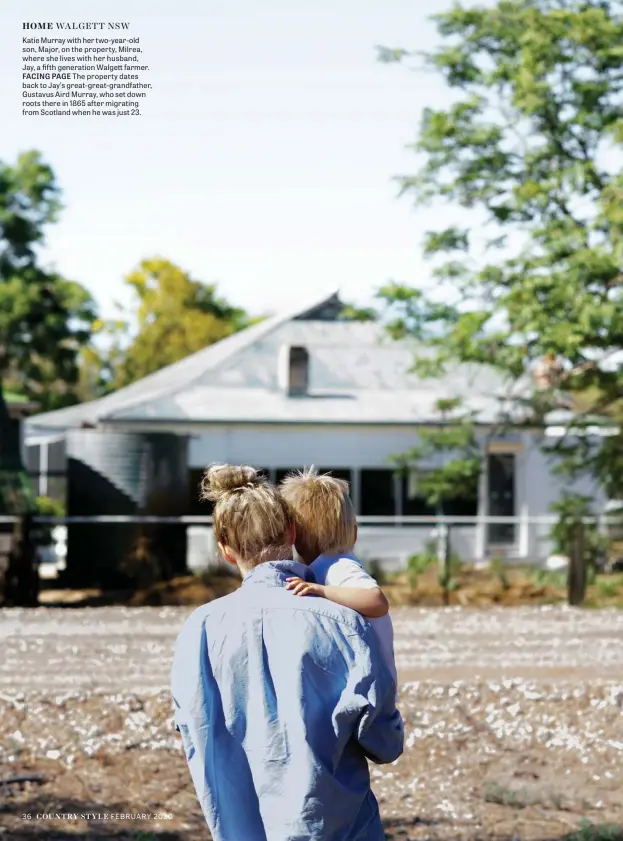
(530, 150)
(447, 459)
(44, 318)
(351, 312)
(171, 317)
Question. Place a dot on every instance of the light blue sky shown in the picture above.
(264, 157)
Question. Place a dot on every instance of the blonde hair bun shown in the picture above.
(220, 480)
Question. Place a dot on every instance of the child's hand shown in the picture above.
(304, 588)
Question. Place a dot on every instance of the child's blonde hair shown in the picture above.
(250, 515)
(323, 512)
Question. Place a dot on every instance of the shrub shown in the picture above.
(418, 564)
(499, 570)
(47, 507)
(556, 579)
(609, 588)
(593, 832)
(574, 510)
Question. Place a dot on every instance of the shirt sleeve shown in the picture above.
(367, 710)
(192, 691)
(188, 676)
(346, 572)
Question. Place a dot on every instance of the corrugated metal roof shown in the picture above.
(170, 378)
(357, 375)
(256, 405)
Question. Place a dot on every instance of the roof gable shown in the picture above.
(179, 375)
(357, 374)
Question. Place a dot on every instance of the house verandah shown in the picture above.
(516, 487)
(303, 387)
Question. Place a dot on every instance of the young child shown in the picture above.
(326, 533)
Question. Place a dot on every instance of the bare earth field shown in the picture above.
(513, 716)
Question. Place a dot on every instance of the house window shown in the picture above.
(46, 465)
(33, 459)
(336, 472)
(339, 473)
(378, 497)
(282, 472)
(415, 505)
(501, 487)
(464, 506)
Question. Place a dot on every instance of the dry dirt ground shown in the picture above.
(513, 717)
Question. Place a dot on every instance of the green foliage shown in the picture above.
(29, 200)
(448, 574)
(557, 579)
(44, 318)
(172, 316)
(498, 568)
(448, 582)
(16, 493)
(418, 564)
(447, 458)
(609, 588)
(530, 150)
(352, 313)
(596, 832)
(47, 507)
(573, 511)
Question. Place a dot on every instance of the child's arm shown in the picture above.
(369, 601)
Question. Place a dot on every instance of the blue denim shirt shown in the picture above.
(279, 700)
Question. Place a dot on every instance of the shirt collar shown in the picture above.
(325, 558)
(275, 573)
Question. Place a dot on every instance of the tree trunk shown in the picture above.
(577, 568)
(10, 451)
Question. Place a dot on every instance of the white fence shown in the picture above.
(388, 541)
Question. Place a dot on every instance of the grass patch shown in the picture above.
(522, 798)
(498, 568)
(420, 563)
(596, 832)
(420, 584)
(607, 591)
(609, 586)
(549, 578)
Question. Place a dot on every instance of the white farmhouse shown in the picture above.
(303, 388)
